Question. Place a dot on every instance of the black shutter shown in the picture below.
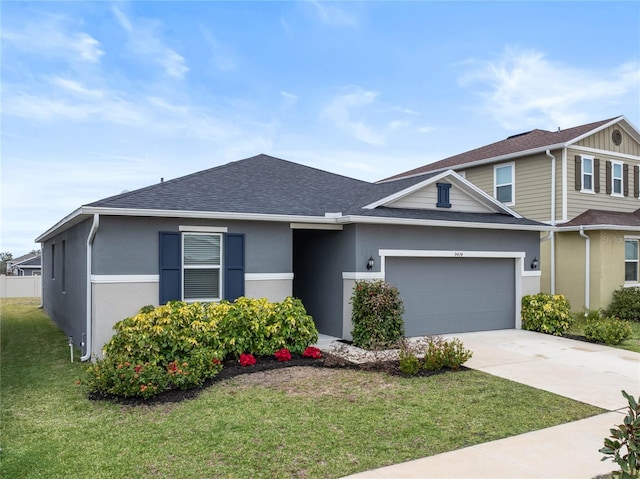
(625, 179)
(170, 267)
(578, 174)
(233, 266)
(596, 175)
(636, 181)
(608, 176)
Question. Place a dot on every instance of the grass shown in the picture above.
(291, 423)
(631, 344)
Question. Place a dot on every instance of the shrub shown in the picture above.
(377, 314)
(626, 435)
(409, 362)
(607, 330)
(247, 360)
(181, 345)
(441, 353)
(625, 304)
(312, 352)
(546, 313)
(283, 355)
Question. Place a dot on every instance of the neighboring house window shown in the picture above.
(443, 195)
(587, 174)
(503, 180)
(631, 260)
(201, 255)
(616, 178)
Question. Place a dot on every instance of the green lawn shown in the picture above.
(302, 423)
(631, 344)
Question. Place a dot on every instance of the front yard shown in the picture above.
(291, 423)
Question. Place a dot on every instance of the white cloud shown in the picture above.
(332, 15)
(289, 100)
(523, 88)
(54, 36)
(221, 58)
(341, 110)
(146, 42)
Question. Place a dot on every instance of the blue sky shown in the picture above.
(101, 97)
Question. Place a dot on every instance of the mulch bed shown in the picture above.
(232, 368)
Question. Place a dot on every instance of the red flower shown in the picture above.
(137, 369)
(283, 354)
(216, 361)
(247, 360)
(312, 352)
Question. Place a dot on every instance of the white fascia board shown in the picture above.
(71, 219)
(441, 223)
(595, 130)
(85, 212)
(486, 161)
(561, 229)
(412, 253)
(407, 191)
(460, 181)
(315, 226)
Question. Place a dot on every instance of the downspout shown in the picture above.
(89, 324)
(553, 221)
(587, 266)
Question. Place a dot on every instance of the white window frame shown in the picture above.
(512, 183)
(620, 178)
(590, 174)
(186, 267)
(634, 239)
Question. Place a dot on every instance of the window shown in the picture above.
(201, 262)
(587, 174)
(616, 176)
(64, 261)
(503, 180)
(631, 261)
(443, 195)
(53, 261)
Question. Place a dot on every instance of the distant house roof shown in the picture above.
(271, 189)
(523, 143)
(604, 219)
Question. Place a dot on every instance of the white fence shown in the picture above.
(20, 286)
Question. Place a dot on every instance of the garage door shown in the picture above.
(453, 295)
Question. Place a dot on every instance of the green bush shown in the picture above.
(546, 313)
(625, 438)
(181, 345)
(625, 304)
(441, 353)
(377, 314)
(433, 354)
(409, 363)
(607, 330)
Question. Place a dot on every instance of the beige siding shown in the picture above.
(532, 185)
(427, 198)
(602, 141)
(579, 202)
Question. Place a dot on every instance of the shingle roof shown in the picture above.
(266, 185)
(517, 143)
(604, 217)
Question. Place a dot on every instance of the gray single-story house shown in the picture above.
(266, 227)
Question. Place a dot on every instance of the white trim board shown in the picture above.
(124, 278)
(268, 276)
(360, 276)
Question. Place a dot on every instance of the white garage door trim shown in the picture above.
(518, 272)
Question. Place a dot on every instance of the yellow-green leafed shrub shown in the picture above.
(181, 345)
(546, 313)
(608, 330)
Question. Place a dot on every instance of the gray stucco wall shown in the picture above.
(320, 257)
(67, 308)
(129, 245)
(371, 238)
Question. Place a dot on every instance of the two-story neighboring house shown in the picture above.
(585, 181)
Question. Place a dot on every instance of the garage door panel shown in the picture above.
(452, 295)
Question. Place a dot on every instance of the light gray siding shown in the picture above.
(129, 245)
(66, 306)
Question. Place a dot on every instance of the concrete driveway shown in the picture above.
(590, 373)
